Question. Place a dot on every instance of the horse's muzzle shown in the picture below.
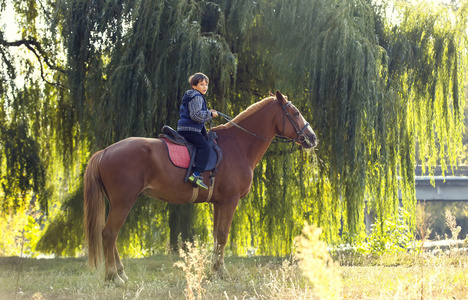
(308, 141)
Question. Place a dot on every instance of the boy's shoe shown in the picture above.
(198, 180)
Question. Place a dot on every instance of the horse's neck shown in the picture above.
(261, 127)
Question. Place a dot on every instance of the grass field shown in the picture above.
(403, 276)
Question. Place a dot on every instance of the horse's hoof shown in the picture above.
(221, 272)
(116, 280)
(123, 275)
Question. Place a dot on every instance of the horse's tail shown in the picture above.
(94, 210)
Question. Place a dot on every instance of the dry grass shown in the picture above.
(195, 261)
(405, 283)
(385, 277)
(311, 274)
(317, 265)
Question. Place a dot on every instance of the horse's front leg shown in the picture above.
(223, 214)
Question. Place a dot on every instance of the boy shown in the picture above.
(191, 125)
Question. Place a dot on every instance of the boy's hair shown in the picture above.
(196, 78)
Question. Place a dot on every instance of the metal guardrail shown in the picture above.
(438, 188)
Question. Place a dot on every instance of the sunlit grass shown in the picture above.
(396, 276)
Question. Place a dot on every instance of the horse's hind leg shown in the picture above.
(119, 265)
(117, 214)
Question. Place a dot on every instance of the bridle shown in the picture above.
(300, 132)
(301, 137)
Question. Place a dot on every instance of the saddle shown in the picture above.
(182, 153)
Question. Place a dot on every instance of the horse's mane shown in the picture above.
(248, 112)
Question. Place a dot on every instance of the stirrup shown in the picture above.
(198, 180)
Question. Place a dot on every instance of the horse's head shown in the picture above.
(293, 125)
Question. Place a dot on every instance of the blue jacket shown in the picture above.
(194, 112)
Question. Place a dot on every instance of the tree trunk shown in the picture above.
(181, 223)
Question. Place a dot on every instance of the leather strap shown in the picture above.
(210, 191)
(211, 188)
(194, 194)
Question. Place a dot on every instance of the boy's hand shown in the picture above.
(214, 113)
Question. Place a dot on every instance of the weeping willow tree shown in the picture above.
(378, 90)
(34, 164)
(128, 72)
(375, 88)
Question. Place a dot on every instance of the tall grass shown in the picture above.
(317, 265)
(452, 224)
(309, 274)
(423, 222)
(195, 258)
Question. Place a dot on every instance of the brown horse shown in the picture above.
(136, 166)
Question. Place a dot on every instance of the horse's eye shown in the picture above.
(297, 114)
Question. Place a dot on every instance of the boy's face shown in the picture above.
(202, 87)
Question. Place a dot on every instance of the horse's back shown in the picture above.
(141, 165)
(130, 151)
(130, 161)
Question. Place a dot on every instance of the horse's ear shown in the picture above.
(271, 94)
(280, 98)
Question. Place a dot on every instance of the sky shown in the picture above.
(9, 24)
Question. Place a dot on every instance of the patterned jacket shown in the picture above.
(194, 112)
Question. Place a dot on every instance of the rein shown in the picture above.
(300, 132)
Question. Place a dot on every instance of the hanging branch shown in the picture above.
(36, 48)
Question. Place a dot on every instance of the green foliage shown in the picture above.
(19, 233)
(381, 93)
(393, 236)
(21, 169)
(62, 236)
